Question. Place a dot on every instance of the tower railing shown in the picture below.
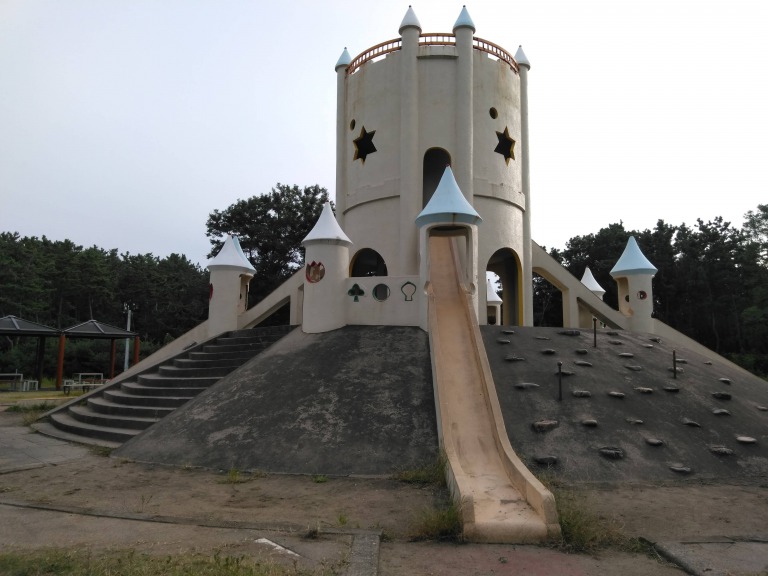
(430, 39)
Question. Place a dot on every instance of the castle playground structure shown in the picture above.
(432, 192)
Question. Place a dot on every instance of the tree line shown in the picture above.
(711, 284)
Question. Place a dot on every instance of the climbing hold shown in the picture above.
(676, 369)
(654, 442)
(634, 421)
(507, 331)
(725, 380)
(708, 363)
(545, 460)
(525, 385)
(720, 450)
(634, 367)
(589, 423)
(583, 363)
(746, 439)
(721, 395)
(672, 389)
(582, 351)
(721, 412)
(565, 372)
(615, 342)
(502, 341)
(569, 332)
(614, 394)
(612, 452)
(643, 390)
(648, 346)
(513, 358)
(549, 351)
(545, 425)
(655, 339)
(763, 408)
(691, 423)
(680, 469)
(582, 394)
(542, 338)
(626, 355)
(681, 361)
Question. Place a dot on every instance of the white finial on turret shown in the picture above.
(409, 21)
(521, 58)
(344, 60)
(464, 21)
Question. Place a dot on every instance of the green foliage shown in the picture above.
(432, 473)
(60, 284)
(711, 284)
(442, 522)
(270, 228)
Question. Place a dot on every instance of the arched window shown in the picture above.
(435, 161)
(368, 262)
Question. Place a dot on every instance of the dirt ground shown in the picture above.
(210, 510)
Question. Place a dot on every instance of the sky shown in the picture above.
(125, 123)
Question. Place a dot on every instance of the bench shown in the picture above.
(84, 381)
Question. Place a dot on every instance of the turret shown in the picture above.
(228, 291)
(633, 274)
(326, 268)
(585, 316)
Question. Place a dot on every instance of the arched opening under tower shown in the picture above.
(367, 262)
(435, 161)
(506, 265)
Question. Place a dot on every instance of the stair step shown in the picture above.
(242, 356)
(64, 421)
(251, 348)
(85, 414)
(171, 382)
(106, 406)
(136, 396)
(184, 373)
(159, 391)
(211, 361)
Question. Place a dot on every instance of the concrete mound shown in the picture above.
(623, 417)
(355, 401)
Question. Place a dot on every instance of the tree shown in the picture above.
(270, 228)
(756, 231)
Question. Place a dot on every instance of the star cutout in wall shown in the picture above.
(364, 145)
(506, 146)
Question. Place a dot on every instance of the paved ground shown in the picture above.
(84, 515)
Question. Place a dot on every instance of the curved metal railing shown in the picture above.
(430, 39)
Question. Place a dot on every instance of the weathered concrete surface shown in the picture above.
(527, 385)
(353, 401)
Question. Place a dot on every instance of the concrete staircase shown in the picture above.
(114, 414)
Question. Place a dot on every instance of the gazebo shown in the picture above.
(99, 330)
(14, 326)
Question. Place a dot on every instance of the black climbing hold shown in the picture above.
(615, 342)
(565, 372)
(644, 390)
(720, 450)
(762, 408)
(582, 351)
(672, 389)
(583, 363)
(634, 367)
(582, 394)
(681, 361)
(648, 346)
(626, 355)
(549, 351)
(614, 394)
(654, 442)
(725, 380)
(721, 395)
(542, 338)
(721, 412)
(691, 423)
(612, 333)
(612, 453)
(502, 341)
(635, 421)
(746, 439)
(589, 423)
(676, 369)
(546, 460)
(680, 469)
(513, 358)
(655, 339)
(507, 331)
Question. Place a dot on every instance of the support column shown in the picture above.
(524, 66)
(341, 133)
(463, 162)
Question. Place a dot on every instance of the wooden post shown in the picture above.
(112, 359)
(60, 367)
(136, 350)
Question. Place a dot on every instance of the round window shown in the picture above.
(381, 292)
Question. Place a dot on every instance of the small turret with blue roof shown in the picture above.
(448, 204)
(634, 274)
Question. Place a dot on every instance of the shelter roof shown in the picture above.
(12, 325)
(96, 329)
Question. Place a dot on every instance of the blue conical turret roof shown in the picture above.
(344, 60)
(521, 58)
(448, 204)
(464, 20)
(410, 21)
(633, 261)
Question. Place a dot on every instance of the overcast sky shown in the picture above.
(124, 123)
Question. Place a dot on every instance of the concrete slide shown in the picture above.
(502, 502)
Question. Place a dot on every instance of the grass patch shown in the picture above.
(319, 478)
(442, 523)
(130, 563)
(105, 451)
(584, 531)
(431, 474)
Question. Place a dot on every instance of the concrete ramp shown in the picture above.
(501, 500)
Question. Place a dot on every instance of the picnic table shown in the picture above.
(84, 381)
(16, 381)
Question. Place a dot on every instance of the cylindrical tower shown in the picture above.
(412, 106)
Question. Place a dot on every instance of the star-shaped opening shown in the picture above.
(506, 146)
(364, 145)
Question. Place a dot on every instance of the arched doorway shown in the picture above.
(506, 265)
(367, 262)
(435, 161)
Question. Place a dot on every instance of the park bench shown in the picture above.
(84, 381)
